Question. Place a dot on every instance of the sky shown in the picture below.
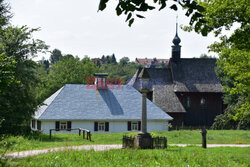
(75, 27)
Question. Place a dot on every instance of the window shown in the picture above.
(63, 125)
(33, 124)
(188, 102)
(39, 125)
(101, 126)
(203, 101)
(203, 104)
(134, 126)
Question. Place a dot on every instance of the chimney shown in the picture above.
(100, 80)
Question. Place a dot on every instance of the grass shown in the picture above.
(173, 156)
(42, 141)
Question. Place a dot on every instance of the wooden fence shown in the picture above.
(79, 132)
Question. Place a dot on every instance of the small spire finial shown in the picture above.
(177, 24)
(176, 39)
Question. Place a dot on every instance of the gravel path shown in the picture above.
(23, 154)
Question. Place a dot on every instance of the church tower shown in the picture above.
(176, 48)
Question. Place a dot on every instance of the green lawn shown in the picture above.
(173, 156)
(178, 137)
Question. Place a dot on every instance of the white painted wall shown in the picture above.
(114, 126)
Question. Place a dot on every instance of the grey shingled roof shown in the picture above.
(77, 102)
(187, 75)
(163, 90)
(195, 75)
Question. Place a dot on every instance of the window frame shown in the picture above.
(188, 102)
(33, 124)
(133, 125)
(39, 125)
(64, 123)
(102, 125)
(203, 101)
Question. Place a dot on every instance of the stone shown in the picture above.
(143, 141)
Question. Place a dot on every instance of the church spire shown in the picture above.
(176, 39)
(176, 48)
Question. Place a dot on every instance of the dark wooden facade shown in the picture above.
(202, 108)
(178, 119)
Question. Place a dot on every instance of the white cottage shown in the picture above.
(114, 108)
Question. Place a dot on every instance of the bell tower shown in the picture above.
(176, 48)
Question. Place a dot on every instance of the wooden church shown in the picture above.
(188, 90)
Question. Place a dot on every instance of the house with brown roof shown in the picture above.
(188, 90)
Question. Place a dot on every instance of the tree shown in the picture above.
(134, 8)
(108, 59)
(123, 71)
(5, 14)
(46, 64)
(113, 59)
(98, 64)
(205, 56)
(124, 61)
(7, 63)
(68, 56)
(103, 59)
(17, 98)
(55, 56)
(17, 78)
(67, 71)
(233, 50)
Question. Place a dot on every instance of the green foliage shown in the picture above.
(124, 61)
(109, 59)
(55, 56)
(123, 70)
(234, 56)
(205, 56)
(67, 56)
(171, 157)
(17, 78)
(5, 14)
(113, 59)
(134, 8)
(68, 70)
(16, 96)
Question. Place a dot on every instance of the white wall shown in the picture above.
(114, 126)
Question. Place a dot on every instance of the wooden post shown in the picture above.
(165, 142)
(89, 135)
(79, 131)
(204, 140)
(83, 133)
(50, 133)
